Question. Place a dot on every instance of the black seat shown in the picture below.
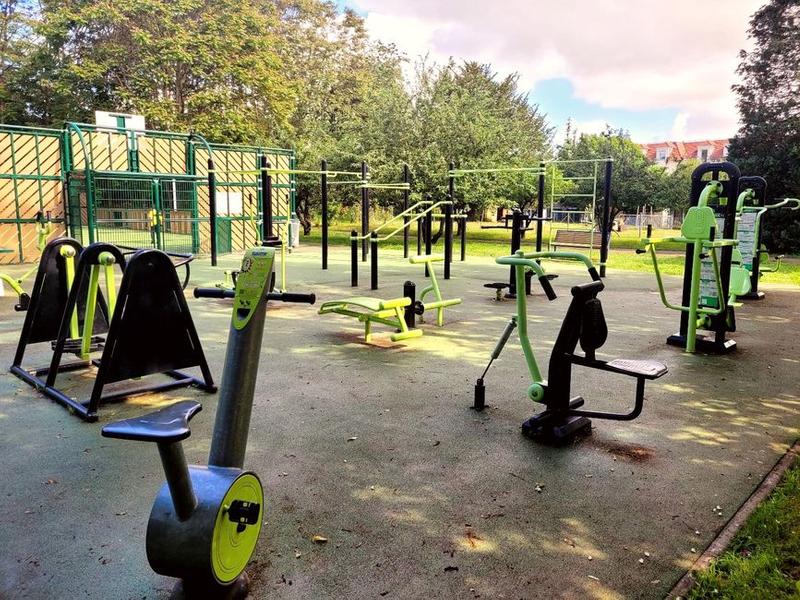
(498, 289)
(649, 369)
(170, 424)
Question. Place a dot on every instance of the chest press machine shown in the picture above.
(584, 322)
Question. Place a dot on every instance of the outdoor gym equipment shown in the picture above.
(425, 210)
(584, 323)
(147, 324)
(751, 206)
(44, 227)
(206, 520)
(398, 313)
(711, 279)
(520, 222)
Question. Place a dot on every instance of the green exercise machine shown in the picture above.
(397, 313)
(206, 519)
(44, 227)
(751, 206)
(584, 323)
(713, 275)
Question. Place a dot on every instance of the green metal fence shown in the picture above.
(31, 180)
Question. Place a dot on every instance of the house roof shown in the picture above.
(679, 151)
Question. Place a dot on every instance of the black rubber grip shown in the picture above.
(640, 251)
(213, 293)
(548, 289)
(292, 297)
(594, 274)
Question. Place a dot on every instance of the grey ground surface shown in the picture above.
(375, 448)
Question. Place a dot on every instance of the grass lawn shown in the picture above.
(495, 242)
(763, 560)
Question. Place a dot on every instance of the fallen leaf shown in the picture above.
(319, 539)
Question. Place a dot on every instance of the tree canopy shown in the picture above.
(768, 142)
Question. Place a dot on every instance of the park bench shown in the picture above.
(575, 238)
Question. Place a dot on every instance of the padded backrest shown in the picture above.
(594, 330)
(698, 223)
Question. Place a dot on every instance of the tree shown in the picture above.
(17, 18)
(183, 64)
(768, 142)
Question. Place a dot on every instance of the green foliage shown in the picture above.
(763, 560)
(183, 64)
(768, 142)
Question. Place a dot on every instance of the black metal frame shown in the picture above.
(114, 366)
(726, 321)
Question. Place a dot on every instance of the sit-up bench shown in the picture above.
(374, 310)
(393, 312)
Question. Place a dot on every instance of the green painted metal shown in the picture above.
(439, 303)
(696, 230)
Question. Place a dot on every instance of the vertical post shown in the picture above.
(428, 237)
(410, 292)
(406, 193)
(420, 225)
(606, 233)
(540, 207)
(354, 258)
(448, 238)
(373, 242)
(464, 238)
(212, 210)
(364, 211)
(267, 183)
(262, 165)
(324, 189)
(516, 242)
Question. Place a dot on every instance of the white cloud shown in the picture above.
(625, 54)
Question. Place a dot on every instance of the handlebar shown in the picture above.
(529, 260)
(276, 296)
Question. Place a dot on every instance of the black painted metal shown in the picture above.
(212, 211)
(324, 191)
(605, 234)
(373, 241)
(353, 258)
(406, 194)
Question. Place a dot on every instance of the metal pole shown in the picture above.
(373, 241)
(232, 422)
(268, 202)
(448, 239)
(212, 210)
(410, 292)
(353, 258)
(464, 238)
(364, 212)
(406, 193)
(265, 185)
(428, 238)
(324, 188)
(516, 242)
(606, 232)
(540, 208)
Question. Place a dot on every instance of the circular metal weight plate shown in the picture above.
(231, 549)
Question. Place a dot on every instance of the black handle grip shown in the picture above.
(277, 296)
(548, 288)
(213, 293)
(640, 251)
(292, 297)
(594, 274)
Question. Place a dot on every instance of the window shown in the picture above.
(702, 153)
(661, 154)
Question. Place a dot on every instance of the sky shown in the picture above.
(662, 70)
